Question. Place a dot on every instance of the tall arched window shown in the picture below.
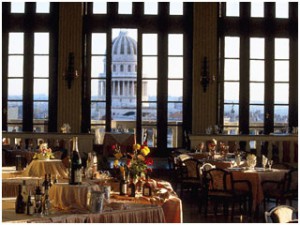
(153, 87)
(260, 67)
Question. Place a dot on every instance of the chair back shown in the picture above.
(206, 167)
(281, 214)
(217, 180)
(189, 168)
(292, 181)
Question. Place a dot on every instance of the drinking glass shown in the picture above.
(264, 163)
(270, 163)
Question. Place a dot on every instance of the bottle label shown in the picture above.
(77, 176)
(124, 189)
(31, 210)
(129, 190)
(147, 191)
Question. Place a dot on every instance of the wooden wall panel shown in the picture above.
(205, 45)
(70, 40)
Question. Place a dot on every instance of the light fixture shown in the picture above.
(71, 73)
(205, 77)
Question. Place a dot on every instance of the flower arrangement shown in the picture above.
(44, 152)
(137, 162)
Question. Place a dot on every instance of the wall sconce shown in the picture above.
(205, 77)
(71, 73)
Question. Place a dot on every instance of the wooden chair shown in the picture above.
(283, 190)
(189, 175)
(220, 187)
(281, 214)
(202, 196)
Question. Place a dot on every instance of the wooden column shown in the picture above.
(70, 40)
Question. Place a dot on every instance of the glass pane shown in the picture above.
(231, 115)
(15, 111)
(125, 7)
(281, 70)
(174, 136)
(42, 7)
(281, 93)
(281, 115)
(98, 89)
(231, 92)
(175, 67)
(232, 69)
(257, 93)
(41, 66)
(282, 9)
(40, 110)
(232, 8)
(149, 69)
(175, 111)
(15, 128)
(257, 9)
(257, 48)
(175, 44)
(149, 111)
(150, 8)
(16, 43)
(43, 127)
(99, 7)
(98, 112)
(176, 8)
(41, 89)
(41, 43)
(152, 135)
(15, 66)
(175, 90)
(149, 90)
(232, 47)
(282, 46)
(98, 66)
(98, 43)
(17, 7)
(15, 89)
(256, 115)
(257, 70)
(149, 44)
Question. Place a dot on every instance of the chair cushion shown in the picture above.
(282, 215)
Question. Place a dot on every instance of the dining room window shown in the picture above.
(143, 72)
(28, 67)
(258, 65)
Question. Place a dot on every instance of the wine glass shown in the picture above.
(270, 163)
(264, 163)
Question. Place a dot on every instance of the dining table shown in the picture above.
(74, 197)
(129, 213)
(38, 168)
(255, 177)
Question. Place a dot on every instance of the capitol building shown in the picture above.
(124, 80)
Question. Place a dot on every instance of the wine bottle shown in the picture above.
(45, 184)
(131, 188)
(76, 174)
(147, 188)
(46, 203)
(29, 206)
(49, 180)
(20, 205)
(123, 186)
(24, 191)
(38, 199)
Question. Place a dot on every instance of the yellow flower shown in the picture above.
(136, 147)
(116, 163)
(145, 150)
(118, 155)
